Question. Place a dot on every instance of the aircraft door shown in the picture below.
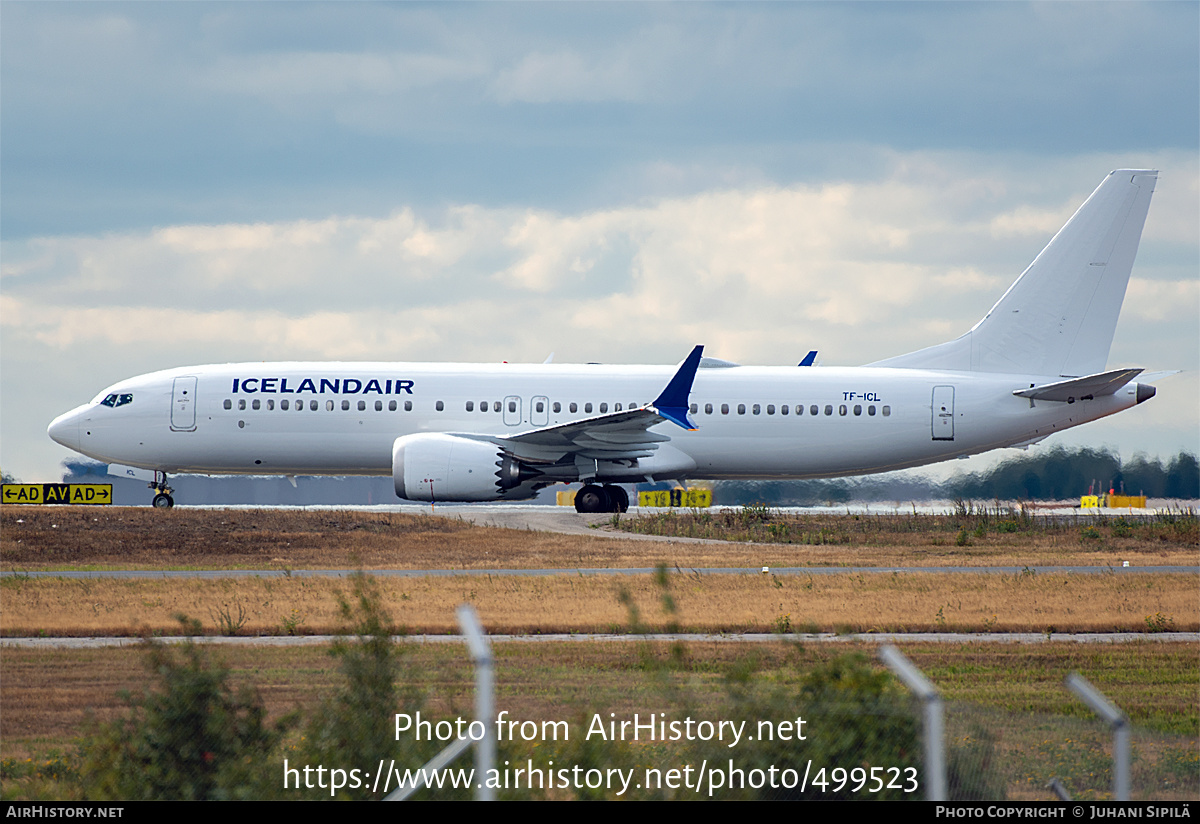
(539, 411)
(512, 410)
(943, 413)
(183, 405)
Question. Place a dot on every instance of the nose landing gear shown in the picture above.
(162, 497)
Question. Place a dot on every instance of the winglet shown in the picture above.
(672, 403)
(809, 359)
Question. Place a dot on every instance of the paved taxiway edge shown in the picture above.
(730, 638)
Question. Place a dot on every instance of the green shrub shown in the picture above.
(191, 737)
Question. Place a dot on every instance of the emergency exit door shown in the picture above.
(943, 413)
(183, 404)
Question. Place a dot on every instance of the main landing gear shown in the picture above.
(162, 497)
(607, 498)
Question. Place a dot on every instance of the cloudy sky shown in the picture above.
(205, 182)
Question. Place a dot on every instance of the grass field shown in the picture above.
(852, 602)
(39, 538)
(1011, 695)
(1006, 705)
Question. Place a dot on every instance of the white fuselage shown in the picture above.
(343, 418)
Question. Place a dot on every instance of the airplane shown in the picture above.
(1033, 366)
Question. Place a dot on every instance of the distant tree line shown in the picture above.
(1058, 474)
(1053, 474)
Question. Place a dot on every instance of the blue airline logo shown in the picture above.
(337, 386)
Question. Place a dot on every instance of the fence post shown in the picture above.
(485, 707)
(485, 748)
(1117, 720)
(931, 700)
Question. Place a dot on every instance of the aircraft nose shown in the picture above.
(65, 429)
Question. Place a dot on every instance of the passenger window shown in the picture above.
(756, 409)
(228, 403)
(857, 409)
(813, 410)
(587, 407)
(328, 406)
(242, 403)
(842, 409)
(256, 404)
(828, 409)
(603, 408)
(345, 406)
(439, 406)
(495, 406)
(741, 409)
(693, 409)
(541, 407)
(362, 405)
(270, 405)
(770, 409)
(557, 406)
(378, 406)
(724, 409)
(470, 406)
(312, 406)
(282, 405)
(512, 406)
(617, 407)
(407, 406)
(887, 410)
(783, 410)
(871, 410)
(708, 409)
(392, 406)
(574, 407)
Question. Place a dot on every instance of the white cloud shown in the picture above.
(760, 274)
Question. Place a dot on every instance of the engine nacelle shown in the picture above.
(430, 467)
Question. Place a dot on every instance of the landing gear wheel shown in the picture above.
(162, 492)
(618, 499)
(591, 499)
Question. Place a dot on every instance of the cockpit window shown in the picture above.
(115, 400)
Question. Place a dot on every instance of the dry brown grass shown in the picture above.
(36, 538)
(574, 603)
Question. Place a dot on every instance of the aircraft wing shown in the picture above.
(616, 436)
(1104, 383)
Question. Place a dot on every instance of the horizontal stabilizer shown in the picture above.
(1151, 377)
(1085, 388)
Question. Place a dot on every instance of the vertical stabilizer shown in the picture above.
(1060, 315)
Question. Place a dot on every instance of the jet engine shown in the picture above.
(429, 467)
